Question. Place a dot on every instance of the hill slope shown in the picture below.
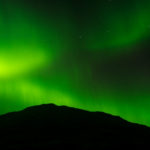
(60, 127)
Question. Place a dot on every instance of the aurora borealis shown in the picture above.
(87, 54)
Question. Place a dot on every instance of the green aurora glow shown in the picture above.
(92, 55)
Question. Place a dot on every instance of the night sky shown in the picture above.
(88, 54)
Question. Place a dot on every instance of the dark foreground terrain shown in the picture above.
(59, 127)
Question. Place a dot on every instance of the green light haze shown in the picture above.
(92, 55)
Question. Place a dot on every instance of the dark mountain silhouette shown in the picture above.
(59, 127)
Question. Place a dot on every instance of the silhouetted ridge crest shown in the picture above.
(52, 126)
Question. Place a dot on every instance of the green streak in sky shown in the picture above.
(58, 52)
(118, 24)
(29, 41)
